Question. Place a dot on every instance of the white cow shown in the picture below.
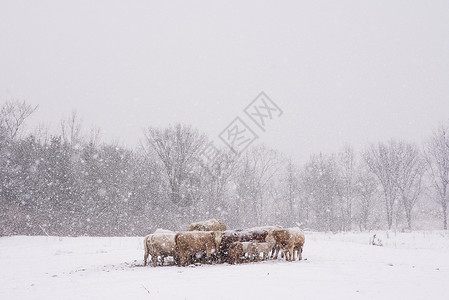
(159, 244)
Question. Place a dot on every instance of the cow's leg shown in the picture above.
(187, 259)
(285, 253)
(291, 253)
(179, 259)
(147, 250)
(145, 257)
(274, 253)
(154, 260)
(300, 253)
(208, 256)
(183, 259)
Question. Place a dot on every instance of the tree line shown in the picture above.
(71, 183)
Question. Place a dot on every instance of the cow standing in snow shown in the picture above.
(160, 244)
(290, 241)
(190, 244)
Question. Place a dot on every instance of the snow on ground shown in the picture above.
(409, 266)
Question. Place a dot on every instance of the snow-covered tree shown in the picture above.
(437, 158)
(382, 161)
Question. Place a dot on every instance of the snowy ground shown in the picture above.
(409, 266)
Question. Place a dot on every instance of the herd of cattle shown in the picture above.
(210, 241)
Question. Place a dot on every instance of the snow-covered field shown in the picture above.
(409, 266)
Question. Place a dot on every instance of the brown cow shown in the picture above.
(235, 253)
(189, 243)
(287, 240)
(208, 225)
(299, 240)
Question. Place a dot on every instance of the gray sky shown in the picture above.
(342, 71)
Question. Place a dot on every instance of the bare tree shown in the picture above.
(218, 174)
(411, 168)
(320, 184)
(437, 158)
(291, 193)
(366, 190)
(346, 165)
(71, 129)
(382, 161)
(208, 184)
(258, 166)
(177, 147)
(12, 116)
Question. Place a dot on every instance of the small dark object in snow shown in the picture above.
(390, 264)
(437, 269)
(146, 289)
(54, 276)
(358, 291)
(268, 273)
(375, 241)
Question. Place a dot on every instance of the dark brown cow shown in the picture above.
(227, 239)
(252, 236)
(231, 236)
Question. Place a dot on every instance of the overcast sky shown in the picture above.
(342, 71)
